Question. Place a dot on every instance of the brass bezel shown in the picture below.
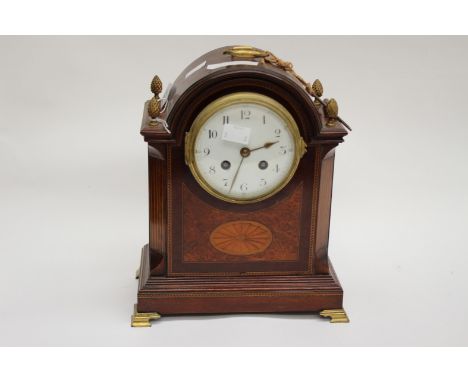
(233, 99)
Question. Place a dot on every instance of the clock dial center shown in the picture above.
(245, 152)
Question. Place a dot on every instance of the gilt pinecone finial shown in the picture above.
(154, 105)
(332, 112)
(156, 85)
(317, 88)
(154, 108)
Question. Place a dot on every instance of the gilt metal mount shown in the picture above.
(142, 320)
(331, 109)
(335, 315)
(154, 105)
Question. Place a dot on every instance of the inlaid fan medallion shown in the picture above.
(241, 238)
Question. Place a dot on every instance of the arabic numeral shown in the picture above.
(206, 151)
(225, 119)
(245, 114)
(212, 170)
(225, 182)
(277, 133)
(283, 149)
(212, 134)
(263, 182)
(243, 187)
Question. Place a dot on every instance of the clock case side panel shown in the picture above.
(157, 189)
(322, 225)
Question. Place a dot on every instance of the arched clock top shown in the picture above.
(232, 69)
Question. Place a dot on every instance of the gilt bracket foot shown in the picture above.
(335, 315)
(142, 320)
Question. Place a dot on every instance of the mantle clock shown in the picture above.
(241, 152)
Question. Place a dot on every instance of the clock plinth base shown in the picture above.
(336, 315)
(143, 320)
(236, 294)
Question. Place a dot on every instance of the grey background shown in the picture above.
(73, 190)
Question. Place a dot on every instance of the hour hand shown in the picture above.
(265, 146)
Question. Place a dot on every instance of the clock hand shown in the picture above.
(237, 172)
(265, 146)
(245, 152)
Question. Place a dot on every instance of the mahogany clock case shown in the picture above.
(181, 271)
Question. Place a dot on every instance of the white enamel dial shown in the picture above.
(245, 150)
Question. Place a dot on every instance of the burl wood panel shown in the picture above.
(194, 215)
(200, 220)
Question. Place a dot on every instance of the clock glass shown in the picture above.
(244, 147)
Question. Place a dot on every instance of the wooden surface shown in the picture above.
(157, 207)
(236, 294)
(195, 214)
(241, 238)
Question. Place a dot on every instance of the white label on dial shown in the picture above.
(236, 134)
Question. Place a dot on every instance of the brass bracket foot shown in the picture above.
(142, 320)
(336, 315)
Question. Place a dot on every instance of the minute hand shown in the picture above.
(235, 175)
